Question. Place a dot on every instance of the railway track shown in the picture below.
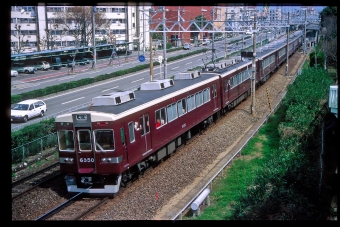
(75, 208)
(30, 182)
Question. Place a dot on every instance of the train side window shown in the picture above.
(131, 131)
(161, 115)
(122, 136)
(181, 107)
(147, 123)
(66, 140)
(141, 126)
(84, 139)
(172, 112)
(206, 95)
(191, 102)
(199, 98)
(214, 91)
(226, 85)
(104, 140)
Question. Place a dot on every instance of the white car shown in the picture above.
(14, 73)
(43, 65)
(25, 110)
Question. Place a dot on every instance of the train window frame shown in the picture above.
(131, 128)
(191, 103)
(108, 145)
(65, 142)
(80, 138)
(206, 95)
(161, 114)
(181, 107)
(172, 112)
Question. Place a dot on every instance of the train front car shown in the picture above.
(121, 134)
(89, 155)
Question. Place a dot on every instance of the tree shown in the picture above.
(18, 34)
(77, 22)
(329, 32)
(49, 42)
(199, 21)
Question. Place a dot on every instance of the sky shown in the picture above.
(317, 8)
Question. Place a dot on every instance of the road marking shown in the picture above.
(65, 78)
(137, 80)
(174, 68)
(109, 89)
(188, 63)
(73, 100)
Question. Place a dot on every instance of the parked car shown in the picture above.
(14, 73)
(205, 42)
(43, 65)
(187, 46)
(25, 110)
(22, 68)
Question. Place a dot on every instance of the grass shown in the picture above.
(239, 176)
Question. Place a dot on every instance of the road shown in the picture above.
(71, 100)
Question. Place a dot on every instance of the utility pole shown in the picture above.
(37, 26)
(84, 28)
(143, 34)
(178, 19)
(150, 48)
(253, 70)
(213, 37)
(287, 54)
(93, 40)
(305, 47)
(225, 37)
(164, 44)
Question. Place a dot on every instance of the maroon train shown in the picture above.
(121, 134)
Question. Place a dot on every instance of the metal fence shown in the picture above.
(41, 147)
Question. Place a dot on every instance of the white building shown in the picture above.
(31, 25)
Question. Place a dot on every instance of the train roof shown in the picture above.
(261, 53)
(146, 98)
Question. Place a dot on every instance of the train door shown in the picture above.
(85, 155)
(144, 129)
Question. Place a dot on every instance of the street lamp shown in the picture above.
(93, 39)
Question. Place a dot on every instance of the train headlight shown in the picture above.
(70, 180)
(107, 160)
(66, 160)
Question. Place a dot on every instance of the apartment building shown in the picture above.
(45, 27)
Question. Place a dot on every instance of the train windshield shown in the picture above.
(104, 140)
(84, 138)
(65, 140)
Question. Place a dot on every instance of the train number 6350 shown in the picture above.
(86, 159)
